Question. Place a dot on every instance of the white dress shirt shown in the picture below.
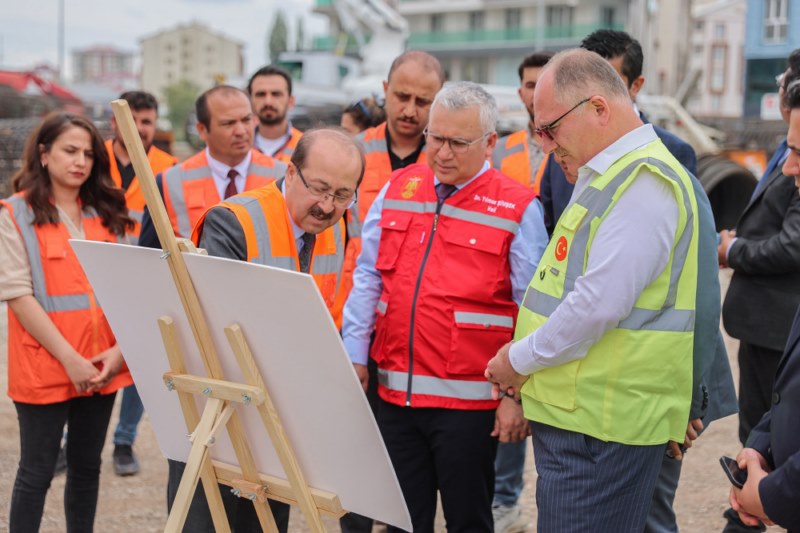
(219, 171)
(631, 248)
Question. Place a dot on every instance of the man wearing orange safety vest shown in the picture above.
(270, 90)
(229, 164)
(144, 109)
(518, 155)
(296, 222)
(448, 248)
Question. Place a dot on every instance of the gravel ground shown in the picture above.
(137, 503)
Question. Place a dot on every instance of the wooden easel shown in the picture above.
(221, 396)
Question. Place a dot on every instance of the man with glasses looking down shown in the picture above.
(448, 248)
(602, 358)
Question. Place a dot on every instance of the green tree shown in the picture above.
(278, 37)
(300, 39)
(180, 98)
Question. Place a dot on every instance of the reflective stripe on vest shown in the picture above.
(597, 202)
(24, 217)
(174, 178)
(453, 212)
(354, 225)
(483, 319)
(448, 388)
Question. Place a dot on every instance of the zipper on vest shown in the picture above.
(439, 204)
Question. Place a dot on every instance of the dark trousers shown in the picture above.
(40, 430)
(757, 367)
(586, 484)
(241, 514)
(448, 450)
(661, 518)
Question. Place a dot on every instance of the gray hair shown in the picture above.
(463, 94)
(580, 74)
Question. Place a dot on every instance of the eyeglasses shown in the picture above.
(323, 194)
(457, 146)
(546, 131)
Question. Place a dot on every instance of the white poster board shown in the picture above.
(298, 352)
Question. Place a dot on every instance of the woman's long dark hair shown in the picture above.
(98, 191)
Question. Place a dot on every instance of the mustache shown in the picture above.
(268, 108)
(410, 120)
(319, 214)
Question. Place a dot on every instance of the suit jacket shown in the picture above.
(765, 288)
(777, 438)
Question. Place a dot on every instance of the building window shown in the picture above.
(716, 77)
(699, 25)
(716, 103)
(559, 18)
(719, 31)
(437, 22)
(476, 20)
(513, 18)
(476, 69)
(607, 17)
(776, 20)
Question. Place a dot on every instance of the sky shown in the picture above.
(29, 28)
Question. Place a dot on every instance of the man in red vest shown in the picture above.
(448, 250)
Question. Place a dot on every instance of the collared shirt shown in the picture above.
(398, 162)
(359, 311)
(297, 231)
(631, 248)
(219, 171)
(272, 146)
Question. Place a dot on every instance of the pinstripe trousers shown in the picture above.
(588, 485)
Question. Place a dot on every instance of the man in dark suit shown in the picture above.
(764, 253)
(772, 453)
(624, 53)
(714, 396)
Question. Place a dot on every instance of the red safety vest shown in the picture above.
(270, 241)
(134, 197)
(446, 306)
(189, 188)
(511, 156)
(61, 288)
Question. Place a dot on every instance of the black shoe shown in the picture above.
(125, 463)
(735, 525)
(61, 462)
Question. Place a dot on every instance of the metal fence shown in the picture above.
(13, 134)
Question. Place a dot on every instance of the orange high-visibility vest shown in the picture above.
(511, 156)
(189, 188)
(61, 288)
(134, 197)
(284, 153)
(270, 241)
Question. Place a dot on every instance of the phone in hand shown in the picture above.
(736, 475)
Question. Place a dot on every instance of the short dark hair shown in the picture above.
(201, 104)
(534, 60)
(611, 44)
(271, 70)
(336, 133)
(791, 95)
(139, 100)
(424, 59)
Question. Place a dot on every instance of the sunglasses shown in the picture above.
(546, 131)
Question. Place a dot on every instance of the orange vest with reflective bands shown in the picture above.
(284, 153)
(377, 172)
(134, 197)
(189, 188)
(270, 241)
(446, 306)
(511, 156)
(61, 288)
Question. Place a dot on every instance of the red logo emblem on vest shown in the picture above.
(411, 186)
(561, 248)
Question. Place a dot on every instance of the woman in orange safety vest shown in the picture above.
(64, 365)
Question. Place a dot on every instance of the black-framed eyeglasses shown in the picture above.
(323, 194)
(457, 146)
(546, 131)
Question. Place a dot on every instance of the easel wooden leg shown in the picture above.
(280, 441)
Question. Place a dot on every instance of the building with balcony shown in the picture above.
(191, 53)
(101, 64)
(768, 42)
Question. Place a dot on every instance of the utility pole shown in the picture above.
(61, 41)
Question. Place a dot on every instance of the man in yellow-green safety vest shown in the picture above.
(602, 353)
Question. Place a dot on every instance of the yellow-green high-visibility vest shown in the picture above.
(634, 386)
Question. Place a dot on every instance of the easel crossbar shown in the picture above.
(214, 388)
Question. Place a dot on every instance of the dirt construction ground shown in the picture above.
(137, 503)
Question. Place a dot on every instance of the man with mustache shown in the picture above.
(144, 109)
(270, 90)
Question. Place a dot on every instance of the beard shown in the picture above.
(273, 120)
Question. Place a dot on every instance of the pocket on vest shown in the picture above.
(476, 337)
(394, 228)
(555, 386)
